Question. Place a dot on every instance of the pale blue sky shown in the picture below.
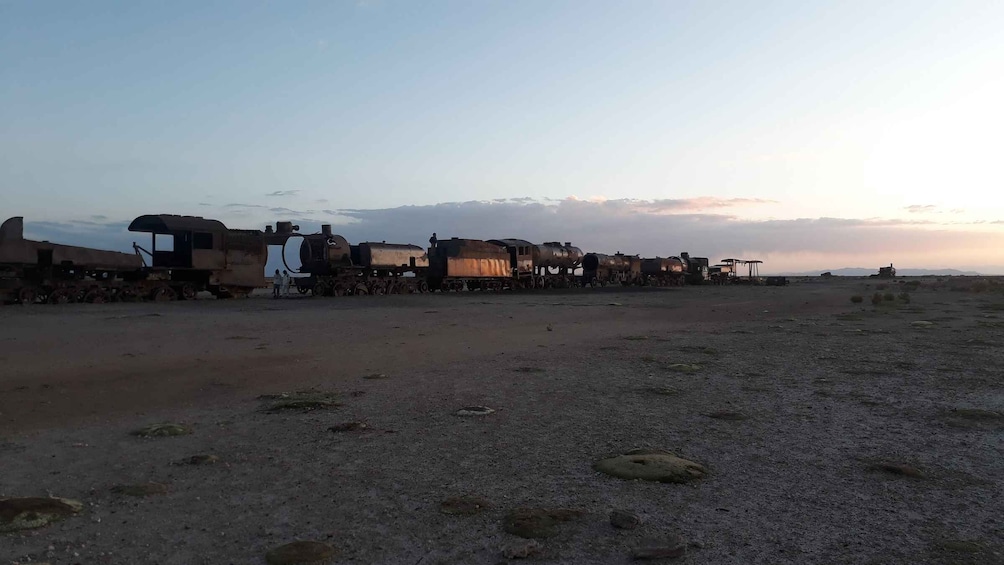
(831, 109)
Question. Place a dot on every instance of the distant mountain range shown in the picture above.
(861, 272)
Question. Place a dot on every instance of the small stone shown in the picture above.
(27, 513)
(537, 523)
(162, 430)
(669, 548)
(921, 324)
(521, 550)
(898, 469)
(201, 459)
(375, 376)
(651, 465)
(475, 411)
(349, 427)
(684, 367)
(465, 505)
(624, 520)
(142, 489)
(726, 415)
(300, 552)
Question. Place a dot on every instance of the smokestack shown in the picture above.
(326, 229)
(568, 244)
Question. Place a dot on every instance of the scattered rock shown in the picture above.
(142, 489)
(304, 401)
(669, 548)
(475, 411)
(726, 415)
(624, 520)
(684, 367)
(349, 427)
(521, 550)
(651, 465)
(162, 430)
(921, 324)
(662, 390)
(465, 505)
(615, 304)
(375, 376)
(300, 552)
(550, 328)
(537, 522)
(201, 459)
(897, 469)
(636, 337)
(529, 370)
(27, 513)
(960, 546)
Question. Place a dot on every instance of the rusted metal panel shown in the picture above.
(661, 266)
(462, 267)
(391, 255)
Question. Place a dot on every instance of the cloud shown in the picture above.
(283, 193)
(920, 208)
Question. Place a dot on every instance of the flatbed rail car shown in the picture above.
(41, 271)
(335, 268)
(456, 264)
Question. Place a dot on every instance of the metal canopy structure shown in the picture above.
(752, 267)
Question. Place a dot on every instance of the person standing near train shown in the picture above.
(276, 284)
(286, 280)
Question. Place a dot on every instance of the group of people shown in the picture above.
(281, 283)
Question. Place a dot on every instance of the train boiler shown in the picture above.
(555, 264)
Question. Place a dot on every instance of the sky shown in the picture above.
(810, 135)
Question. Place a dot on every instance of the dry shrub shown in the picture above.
(889, 296)
(857, 299)
(881, 286)
(904, 297)
(877, 298)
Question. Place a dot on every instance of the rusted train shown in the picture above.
(187, 255)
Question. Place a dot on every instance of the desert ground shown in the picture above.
(826, 431)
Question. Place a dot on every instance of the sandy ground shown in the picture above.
(825, 389)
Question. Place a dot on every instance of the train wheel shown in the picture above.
(423, 286)
(378, 288)
(302, 289)
(60, 296)
(187, 292)
(360, 290)
(318, 289)
(95, 296)
(26, 296)
(166, 294)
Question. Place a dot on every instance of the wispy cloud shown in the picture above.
(920, 208)
(283, 193)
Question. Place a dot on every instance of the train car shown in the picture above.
(697, 268)
(720, 274)
(520, 260)
(189, 254)
(455, 264)
(40, 271)
(555, 264)
(601, 270)
(663, 271)
(335, 268)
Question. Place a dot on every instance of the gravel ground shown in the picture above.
(792, 398)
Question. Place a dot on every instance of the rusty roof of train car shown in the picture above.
(160, 223)
(511, 242)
